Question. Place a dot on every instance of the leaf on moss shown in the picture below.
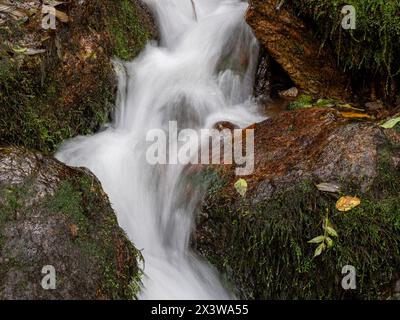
(241, 187)
(391, 123)
(19, 49)
(318, 239)
(332, 232)
(347, 203)
(319, 249)
(329, 242)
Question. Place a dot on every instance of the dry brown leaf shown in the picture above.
(347, 203)
(63, 17)
(73, 228)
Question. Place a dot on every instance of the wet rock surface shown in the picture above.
(316, 144)
(53, 215)
(261, 241)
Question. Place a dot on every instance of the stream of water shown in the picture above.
(200, 73)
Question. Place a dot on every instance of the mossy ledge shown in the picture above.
(372, 46)
(260, 242)
(70, 88)
(51, 214)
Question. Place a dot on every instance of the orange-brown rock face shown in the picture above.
(317, 144)
(260, 240)
(294, 47)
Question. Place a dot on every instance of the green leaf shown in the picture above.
(319, 249)
(329, 242)
(332, 232)
(318, 239)
(391, 123)
(19, 50)
(241, 187)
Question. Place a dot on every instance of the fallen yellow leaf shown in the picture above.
(347, 203)
(241, 187)
(352, 115)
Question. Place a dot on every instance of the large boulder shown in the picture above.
(56, 84)
(260, 241)
(294, 47)
(53, 215)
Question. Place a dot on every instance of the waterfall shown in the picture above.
(201, 73)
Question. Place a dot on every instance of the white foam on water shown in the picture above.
(200, 73)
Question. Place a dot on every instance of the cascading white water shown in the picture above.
(201, 73)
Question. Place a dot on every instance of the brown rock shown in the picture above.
(53, 215)
(294, 47)
(289, 93)
(315, 144)
(261, 241)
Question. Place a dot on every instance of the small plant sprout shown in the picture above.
(324, 241)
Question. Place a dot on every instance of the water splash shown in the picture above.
(201, 73)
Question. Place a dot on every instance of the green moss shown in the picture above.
(325, 103)
(33, 115)
(67, 200)
(373, 46)
(27, 118)
(127, 30)
(263, 247)
(301, 102)
(98, 236)
(13, 199)
(112, 282)
(40, 108)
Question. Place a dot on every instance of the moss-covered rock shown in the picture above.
(51, 214)
(301, 102)
(261, 241)
(372, 48)
(307, 39)
(69, 87)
